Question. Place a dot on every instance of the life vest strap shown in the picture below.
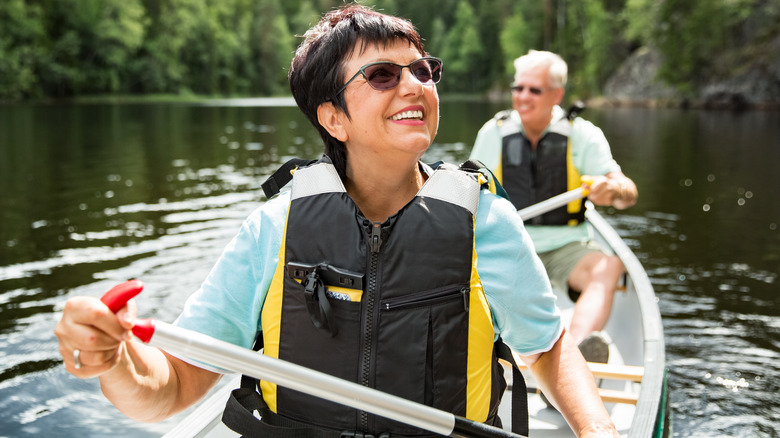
(317, 303)
(492, 183)
(282, 176)
(244, 401)
(520, 421)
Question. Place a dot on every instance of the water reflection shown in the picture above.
(96, 194)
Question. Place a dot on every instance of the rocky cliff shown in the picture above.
(753, 83)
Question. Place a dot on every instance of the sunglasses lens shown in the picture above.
(386, 75)
(533, 90)
(383, 76)
(427, 71)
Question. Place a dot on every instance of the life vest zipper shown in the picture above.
(429, 298)
(374, 244)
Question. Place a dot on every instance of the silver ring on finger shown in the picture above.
(76, 361)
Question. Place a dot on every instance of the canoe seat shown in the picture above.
(606, 371)
(614, 372)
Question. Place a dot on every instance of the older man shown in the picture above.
(537, 150)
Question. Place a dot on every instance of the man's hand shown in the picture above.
(613, 189)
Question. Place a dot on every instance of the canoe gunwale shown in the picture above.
(648, 405)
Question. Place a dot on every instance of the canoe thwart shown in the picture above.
(607, 371)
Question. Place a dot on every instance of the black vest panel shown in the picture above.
(531, 176)
(408, 333)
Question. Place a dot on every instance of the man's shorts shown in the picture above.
(560, 262)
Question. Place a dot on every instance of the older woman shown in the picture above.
(366, 269)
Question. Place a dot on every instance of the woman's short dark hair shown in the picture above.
(317, 69)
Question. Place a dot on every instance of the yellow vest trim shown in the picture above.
(574, 181)
(271, 322)
(481, 335)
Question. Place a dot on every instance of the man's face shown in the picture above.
(533, 98)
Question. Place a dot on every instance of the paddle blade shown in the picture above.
(119, 295)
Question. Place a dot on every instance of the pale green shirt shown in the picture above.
(591, 156)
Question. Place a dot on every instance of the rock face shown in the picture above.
(635, 80)
(755, 84)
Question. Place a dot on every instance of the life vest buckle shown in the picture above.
(317, 303)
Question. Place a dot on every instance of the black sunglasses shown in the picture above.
(536, 91)
(385, 75)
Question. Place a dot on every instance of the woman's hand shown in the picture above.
(92, 337)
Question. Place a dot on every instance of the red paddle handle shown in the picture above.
(118, 296)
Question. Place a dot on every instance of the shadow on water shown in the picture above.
(96, 194)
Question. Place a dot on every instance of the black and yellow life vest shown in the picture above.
(533, 175)
(396, 306)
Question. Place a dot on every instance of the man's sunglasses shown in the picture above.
(385, 75)
(536, 91)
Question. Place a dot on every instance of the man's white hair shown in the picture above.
(556, 66)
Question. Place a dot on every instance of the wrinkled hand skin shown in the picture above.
(88, 325)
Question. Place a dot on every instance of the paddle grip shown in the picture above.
(118, 296)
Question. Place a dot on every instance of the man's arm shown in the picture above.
(565, 378)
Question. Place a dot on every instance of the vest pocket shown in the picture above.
(303, 343)
(428, 298)
(422, 350)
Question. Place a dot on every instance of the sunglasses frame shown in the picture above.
(536, 91)
(362, 71)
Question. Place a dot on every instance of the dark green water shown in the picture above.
(96, 194)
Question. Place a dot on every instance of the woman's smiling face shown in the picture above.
(402, 120)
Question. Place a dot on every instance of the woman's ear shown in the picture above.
(332, 119)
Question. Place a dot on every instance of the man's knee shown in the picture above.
(614, 266)
(596, 267)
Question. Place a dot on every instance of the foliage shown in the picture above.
(462, 50)
(694, 34)
(64, 48)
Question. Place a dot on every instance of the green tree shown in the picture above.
(22, 36)
(590, 34)
(701, 39)
(272, 47)
(305, 17)
(463, 51)
(435, 44)
(514, 39)
(161, 65)
(92, 42)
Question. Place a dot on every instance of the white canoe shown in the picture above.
(632, 384)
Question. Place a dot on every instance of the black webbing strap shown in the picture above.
(317, 303)
(238, 416)
(493, 184)
(520, 422)
(575, 110)
(245, 401)
(282, 176)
